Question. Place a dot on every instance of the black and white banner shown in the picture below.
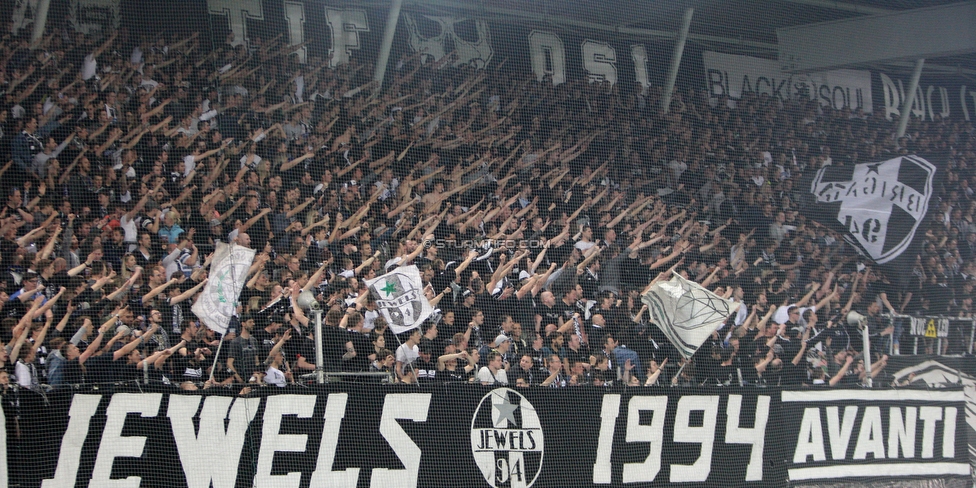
(878, 206)
(943, 97)
(461, 435)
(731, 76)
(864, 434)
(343, 30)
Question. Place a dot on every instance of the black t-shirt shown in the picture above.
(102, 369)
(576, 356)
(426, 370)
(245, 353)
(457, 375)
(300, 347)
(364, 347)
(333, 346)
(793, 375)
(549, 315)
(71, 373)
(265, 343)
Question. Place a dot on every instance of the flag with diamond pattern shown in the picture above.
(686, 312)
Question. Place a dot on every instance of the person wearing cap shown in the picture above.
(840, 368)
(502, 345)
(266, 335)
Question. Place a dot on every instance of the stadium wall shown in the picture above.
(461, 435)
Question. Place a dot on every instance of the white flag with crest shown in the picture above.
(228, 273)
(400, 297)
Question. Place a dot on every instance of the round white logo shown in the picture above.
(506, 439)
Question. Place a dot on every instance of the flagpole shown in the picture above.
(677, 375)
(217, 356)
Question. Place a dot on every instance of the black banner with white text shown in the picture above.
(461, 435)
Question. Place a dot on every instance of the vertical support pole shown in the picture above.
(679, 50)
(384, 56)
(972, 336)
(865, 333)
(40, 20)
(906, 108)
(319, 354)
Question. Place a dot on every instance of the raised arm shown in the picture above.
(188, 293)
(157, 290)
(843, 371)
(132, 345)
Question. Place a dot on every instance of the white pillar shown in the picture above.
(906, 108)
(384, 56)
(679, 50)
(40, 19)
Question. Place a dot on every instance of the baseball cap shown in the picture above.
(500, 339)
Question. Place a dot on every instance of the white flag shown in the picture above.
(228, 273)
(686, 312)
(400, 297)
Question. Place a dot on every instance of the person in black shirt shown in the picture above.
(449, 368)
(526, 371)
(244, 352)
(254, 222)
(425, 366)
(265, 336)
(361, 344)
(335, 340)
(107, 367)
(72, 369)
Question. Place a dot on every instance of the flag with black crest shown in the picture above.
(879, 207)
(400, 297)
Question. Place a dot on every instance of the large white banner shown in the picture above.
(686, 312)
(732, 75)
(228, 273)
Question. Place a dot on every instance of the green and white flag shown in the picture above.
(400, 297)
(686, 312)
(228, 274)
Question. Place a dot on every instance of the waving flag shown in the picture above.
(400, 297)
(228, 273)
(686, 312)
(878, 206)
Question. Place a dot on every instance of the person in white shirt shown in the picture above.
(495, 372)
(274, 375)
(408, 352)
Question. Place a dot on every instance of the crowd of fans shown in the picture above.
(537, 215)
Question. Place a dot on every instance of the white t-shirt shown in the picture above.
(23, 372)
(89, 67)
(485, 376)
(189, 164)
(584, 245)
(130, 228)
(406, 354)
(274, 376)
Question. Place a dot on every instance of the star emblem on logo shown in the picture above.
(506, 411)
(389, 288)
